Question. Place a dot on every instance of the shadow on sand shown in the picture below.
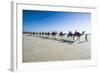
(62, 40)
(66, 41)
(81, 42)
(43, 37)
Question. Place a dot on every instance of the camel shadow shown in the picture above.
(81, 42)
(61, 40)
(44, 37)
(67, 41)
(53, 38)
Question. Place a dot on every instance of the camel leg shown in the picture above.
(68, 37)
(79, 38)
(73, 37)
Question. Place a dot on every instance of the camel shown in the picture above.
(37, 33)
(70, 34)
(78, 35)
(29, 33)
(61, 34)
(40, 33)
(54, 34)
(47, 34)
(33, 33)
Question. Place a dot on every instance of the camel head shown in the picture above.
(83, 32)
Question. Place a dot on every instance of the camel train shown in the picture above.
(53, 35)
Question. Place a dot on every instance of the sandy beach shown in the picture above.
(39, 49)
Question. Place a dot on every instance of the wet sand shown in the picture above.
(39, 49)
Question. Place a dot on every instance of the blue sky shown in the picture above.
(44, 21)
